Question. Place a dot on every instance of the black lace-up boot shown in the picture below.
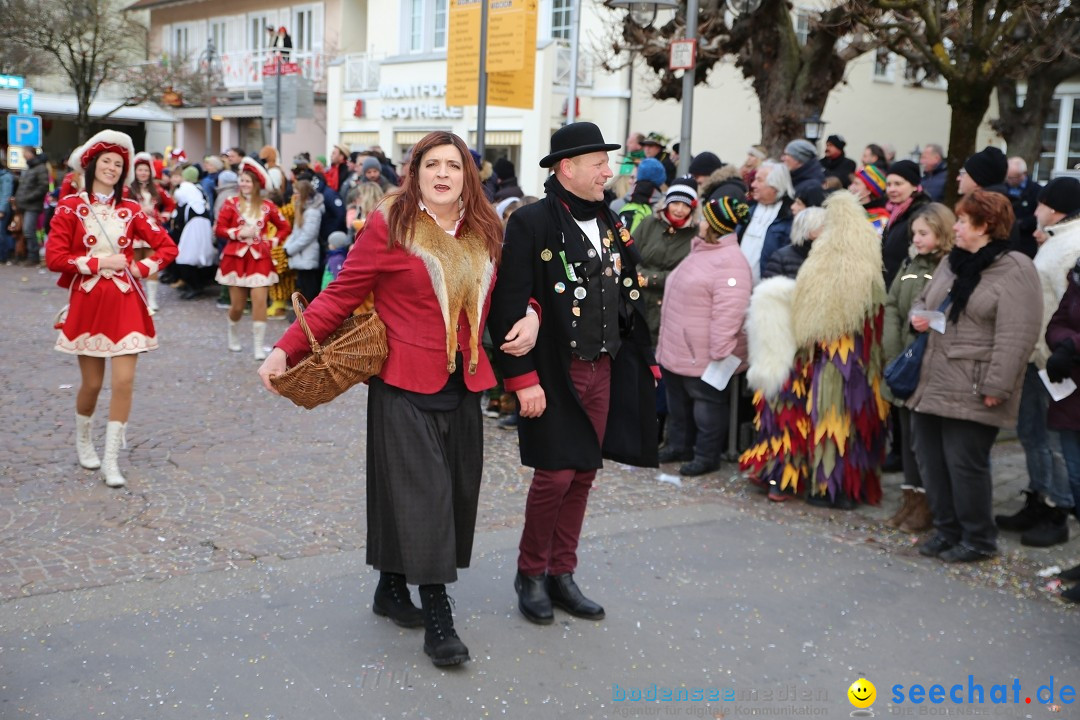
(392, 600)
(441, 641)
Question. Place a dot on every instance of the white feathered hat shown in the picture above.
(251, 166)
(107, 141)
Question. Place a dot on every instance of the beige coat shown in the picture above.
(984, 353)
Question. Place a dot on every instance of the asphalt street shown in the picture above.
(228, 579)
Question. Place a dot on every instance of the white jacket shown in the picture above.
(1056, 257)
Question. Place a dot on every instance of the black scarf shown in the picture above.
(580, 209)
(968, 267)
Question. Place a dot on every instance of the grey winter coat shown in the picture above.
(302, 246)
(985, 353)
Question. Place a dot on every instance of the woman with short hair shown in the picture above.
(972, 373)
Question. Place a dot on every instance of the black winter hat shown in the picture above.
(504, 169)
(907, 170)
(705, 163)
(987, 167)
(1062, 195)
(837, 140)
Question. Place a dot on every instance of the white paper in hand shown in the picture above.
(1060, 390)
(719, 372)
(936, 318)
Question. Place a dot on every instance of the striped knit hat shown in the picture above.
(724, 213)
(873, 179)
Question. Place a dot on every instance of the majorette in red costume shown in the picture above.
(107, 314)
(160, 210)
(91, 245)
(246, 261)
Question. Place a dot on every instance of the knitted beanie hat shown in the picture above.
(190, 173)
(725, 213)
(1062, 194)
(987, 167)
(873, 179)
(652, 170)
(681, 191)
(907, 170)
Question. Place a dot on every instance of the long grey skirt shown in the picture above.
(423, 485)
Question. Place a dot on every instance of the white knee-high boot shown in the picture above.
(110, 467)
(234, 341)
(258, 333)
(84, 442)
(151, 295)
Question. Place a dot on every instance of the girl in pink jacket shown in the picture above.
(701, 323)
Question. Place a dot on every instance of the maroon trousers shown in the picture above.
(555, 509)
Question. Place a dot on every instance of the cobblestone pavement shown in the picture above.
(222, 474)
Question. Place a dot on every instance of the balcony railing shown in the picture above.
(243, 71)
(361, 73)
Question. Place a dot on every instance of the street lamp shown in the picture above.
(648, 10)
(209, 56)
(813, 128)
(644, 13)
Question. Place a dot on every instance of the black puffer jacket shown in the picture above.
(786, 261)
(33, 184)
(897, 237)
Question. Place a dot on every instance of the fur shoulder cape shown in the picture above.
(841, 281)
(770, 337)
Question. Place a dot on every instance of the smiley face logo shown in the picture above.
(862, 693)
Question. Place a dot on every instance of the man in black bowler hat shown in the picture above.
(586, 390)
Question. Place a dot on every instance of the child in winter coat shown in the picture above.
(339, 245)
(931, 240)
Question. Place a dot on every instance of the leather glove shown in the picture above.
(1060, 363)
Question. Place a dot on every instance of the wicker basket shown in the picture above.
(350, 355)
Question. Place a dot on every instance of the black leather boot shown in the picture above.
(533, 600)
(392, 600)
(565, 594)
(1027, 517)
(441, 641)
(1053, 529)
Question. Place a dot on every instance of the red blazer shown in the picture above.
(230, 221)
(406, 302)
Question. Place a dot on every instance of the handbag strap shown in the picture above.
(112, 246)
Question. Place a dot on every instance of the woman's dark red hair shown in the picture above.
(479, 216)
(990, 210)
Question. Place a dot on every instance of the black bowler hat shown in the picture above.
(580, 138)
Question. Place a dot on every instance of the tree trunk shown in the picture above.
(1022, 126)
(968, 102)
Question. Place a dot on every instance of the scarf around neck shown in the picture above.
(579, 208)
(968, 267)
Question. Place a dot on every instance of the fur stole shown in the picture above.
(461, 274)
(771, 339)
(841, 281)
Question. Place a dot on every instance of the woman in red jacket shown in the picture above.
(156, 204)
(429, 253)
(92, 245)
(246, 266)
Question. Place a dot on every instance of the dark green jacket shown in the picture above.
(662, 248)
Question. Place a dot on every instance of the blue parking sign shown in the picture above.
(24, 130)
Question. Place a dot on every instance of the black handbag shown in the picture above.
(902, 373)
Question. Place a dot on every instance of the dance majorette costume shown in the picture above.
(247, 262)
(107, 314)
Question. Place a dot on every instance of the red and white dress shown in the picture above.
(246, 262)
(107, 315)
(160, 211)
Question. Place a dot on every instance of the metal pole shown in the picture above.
(688, 91)
(209, 82)
(575, 36)
(481, 96)
(277, 103)
(630, 95)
